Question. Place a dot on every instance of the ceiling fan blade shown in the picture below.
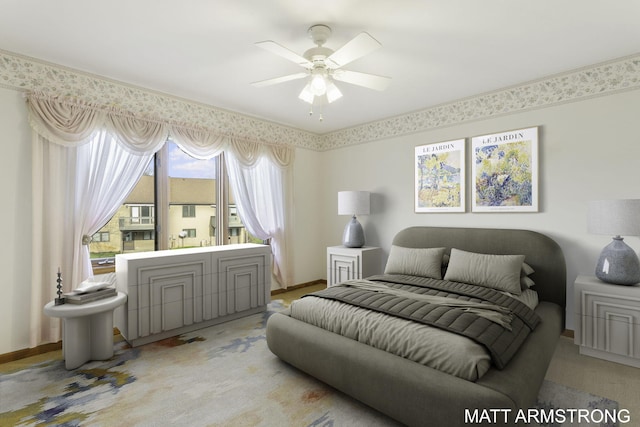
(357, 47)
(277, 80)
(370, 81)
(282, 51)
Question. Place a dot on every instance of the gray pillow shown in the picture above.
(527, 270)
(526, 283)
(501, 272)
(426, 262)
(525, 280)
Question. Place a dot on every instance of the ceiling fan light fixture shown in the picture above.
(307, 95)
(333, 93)
(310, 97)
(318, 84)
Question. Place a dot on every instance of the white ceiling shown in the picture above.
(435, 51)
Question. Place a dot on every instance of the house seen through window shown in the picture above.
(194, 192)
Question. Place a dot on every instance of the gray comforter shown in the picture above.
(471, 316)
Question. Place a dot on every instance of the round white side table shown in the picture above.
(87, 330)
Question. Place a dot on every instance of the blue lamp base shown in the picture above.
(618, 264)
(353, 236)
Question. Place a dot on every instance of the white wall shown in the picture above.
(588, 150)
(15, 219)
(307, 243)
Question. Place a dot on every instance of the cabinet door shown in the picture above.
(241, 281)
(611, 323)
(172, 303)
(343, 267)
(170, 296)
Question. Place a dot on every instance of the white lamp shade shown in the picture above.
(614, 217)
(333, 92)
(318, 85)
(330, 94)
(353, 202)
(306, 95)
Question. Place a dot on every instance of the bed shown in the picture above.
(419, 395)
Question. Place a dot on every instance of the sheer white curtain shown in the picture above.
(260, 179)
(84, 165)
(78, 190)
(106, 173)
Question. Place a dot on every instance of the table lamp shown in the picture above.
(353, 203)
(618, 263)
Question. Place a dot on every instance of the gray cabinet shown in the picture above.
(177, 291)
(345, 263)
(607, 320)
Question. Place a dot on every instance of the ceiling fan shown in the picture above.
(323, 66)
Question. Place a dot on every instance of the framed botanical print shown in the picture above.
(504, 171)
(440, 177)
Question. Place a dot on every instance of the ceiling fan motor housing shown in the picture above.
(317, 54)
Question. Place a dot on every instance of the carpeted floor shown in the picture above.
(218, 376)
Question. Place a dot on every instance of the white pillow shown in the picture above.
(426, 262)
(501, 272)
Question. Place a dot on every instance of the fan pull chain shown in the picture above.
(321, 118)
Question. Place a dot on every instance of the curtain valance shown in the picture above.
(63, 123)
(198, 142)
(71, 123)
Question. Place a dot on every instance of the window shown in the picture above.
(173, 207)
(102, 236)
(188, 211)
(142, 214)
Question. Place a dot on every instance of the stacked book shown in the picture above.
(89, 292)
(85, 297)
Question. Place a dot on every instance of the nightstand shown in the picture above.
(607, 320)
(87, 332)
(352, 263)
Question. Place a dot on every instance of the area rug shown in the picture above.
(219, 376)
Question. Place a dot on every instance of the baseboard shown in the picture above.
(28, 352)
(302, 285)
(568, 333)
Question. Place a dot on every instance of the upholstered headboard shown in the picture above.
(540, 251)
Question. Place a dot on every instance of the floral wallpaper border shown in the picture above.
(23, 73)
(598, 80)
